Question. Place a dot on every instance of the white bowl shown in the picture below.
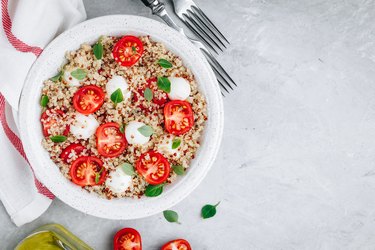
(31, 133)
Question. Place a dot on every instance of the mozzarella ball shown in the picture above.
(118, 82)
(133, 136)
(180, 88)
(83, 126)
(117, 181)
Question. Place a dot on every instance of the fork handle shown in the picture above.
(158, 9)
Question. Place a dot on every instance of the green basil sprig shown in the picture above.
(171, 216)
(164, 84)
(154, 190)
(98, 50)
(148, 94)
(97, 175)
(209, 211)
(117, 96)
(176, 143)
(57, 77)
(178, 169)
(122, 128)
(79, 74)
(44, 101)
(58, 138)
(146, 130)
(128, 168)
(165, 63)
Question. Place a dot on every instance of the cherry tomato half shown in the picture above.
(74, 147)
(127, 50)
(153, 167)
(88, 171)
(127, 239)
(178, 116)
(52, 118)
(110, 142)
(178, 244)
(88, 99)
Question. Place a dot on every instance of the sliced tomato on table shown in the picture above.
(51, 118)
(178, 116)
(154, 167)
(127, 239)
(178, 244)
(127, 50)
(88, 171)
(110, 142)
(88, 99)
(74, 147)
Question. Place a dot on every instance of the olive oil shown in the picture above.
(52, 237)
(41, 241)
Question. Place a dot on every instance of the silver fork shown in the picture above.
(199, 23)
(222, 76)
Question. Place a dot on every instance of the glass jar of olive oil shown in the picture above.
(52, 237)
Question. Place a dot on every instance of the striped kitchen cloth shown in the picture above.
(26, 28)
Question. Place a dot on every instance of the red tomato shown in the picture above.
(110, 142)
(153, 167)
(85, 169)
(52, 117)
(127, 50)
(76, 147)
(127, 239)
(88, 99)
(179, 117)
(178, 244)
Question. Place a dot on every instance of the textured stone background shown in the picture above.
(296, 169)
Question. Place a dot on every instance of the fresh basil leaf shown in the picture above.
(148, 94)
(179, 170)
(98, 50)
(44, 101)
(58, 138)
(134, 49)
(153, 191)
(122, 128)
(128, 168)
(79, 74)
(171, 216)
(176, 143)
(164, 84)
(209, 211)
(57, 77)
(165, 64)
(97, 175)
(146, 130)
(117, 96)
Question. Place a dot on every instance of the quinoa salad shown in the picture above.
(123, 117)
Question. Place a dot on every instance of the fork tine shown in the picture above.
(213, 66)
(199, 28)
(198, 34)
(209, 21)
(222, 77)
(220, 68)
(200, 21)
(222, 85)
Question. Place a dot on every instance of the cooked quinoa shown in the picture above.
(135, 108)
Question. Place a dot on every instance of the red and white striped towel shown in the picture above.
(26, 28)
